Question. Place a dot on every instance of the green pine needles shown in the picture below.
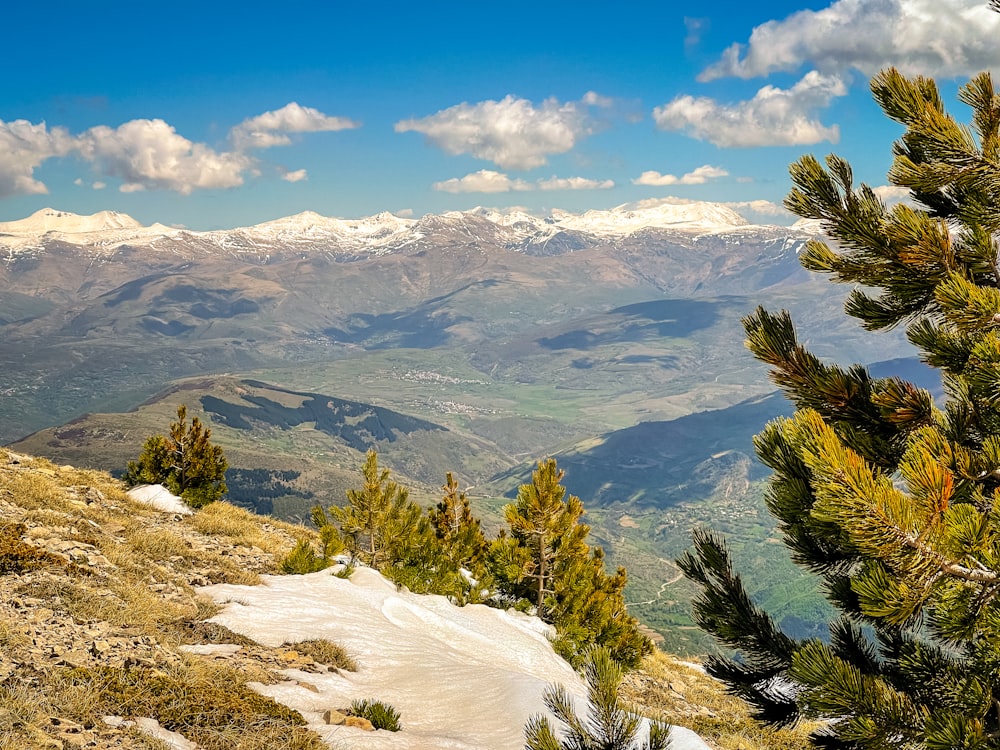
(892, 500)
(608, 725)
(184, 461)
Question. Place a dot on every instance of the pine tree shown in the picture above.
(608, 725)
(184, 461)
(890, 500)
(456, 528)
(547, 528)
(547, 561)
(379, 524)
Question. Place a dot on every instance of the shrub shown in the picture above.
(303, 559)
(17, 556)
(381, 715)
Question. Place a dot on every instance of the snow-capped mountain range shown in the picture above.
(106, 231)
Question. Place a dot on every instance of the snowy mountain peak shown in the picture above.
(51, 220)
(626, 219)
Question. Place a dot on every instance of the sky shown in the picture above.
(216, 115)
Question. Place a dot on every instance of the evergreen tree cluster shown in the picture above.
(184, 461)
(542, 562)
(892, 500)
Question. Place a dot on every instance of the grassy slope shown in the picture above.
(130, 580)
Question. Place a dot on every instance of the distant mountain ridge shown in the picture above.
(106, 231)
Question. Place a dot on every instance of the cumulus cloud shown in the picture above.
(488, 181)
(931, 37)
(892, 194)
(767, 208)
(23, 147)
(774, 117)
(272, 128)
(593, 99)
(483, 181)
(512, 133)
(98, 185)
(150, 154)
(297, 176)
(698, 176)
(574, 183)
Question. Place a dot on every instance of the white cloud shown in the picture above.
(404, 213)
(767, 208)
(23, 147)
(483, 181)
(271, 128)
(574, 183)
(593, 99)
(150, 154)
(98, 185)
(488, 181)
(891, 194)
(512, 133)
(931, 37)
(695, 28)
(297, 176)
(774, 117)
(698, 176)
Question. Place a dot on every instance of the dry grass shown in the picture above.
(157, 544)
(206, 702)
(143, 585)
(683, 695)
(240, 526)
(36, 490)
(325, 652)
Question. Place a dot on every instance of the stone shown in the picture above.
(74, 659)
(334, 717)
(359, 723)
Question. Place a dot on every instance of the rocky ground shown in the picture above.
(94, 583)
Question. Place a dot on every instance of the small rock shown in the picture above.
(359, 723)
(100, 647)
(334, 717)
(74, 659)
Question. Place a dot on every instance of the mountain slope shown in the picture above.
(111, 642)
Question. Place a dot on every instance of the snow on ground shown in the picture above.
(160, 498)
(462, 678)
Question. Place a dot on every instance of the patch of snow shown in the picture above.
(160, 498)
(808, 226)
(462, 678)
(151, 727)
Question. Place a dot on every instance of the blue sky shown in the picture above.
(230, 114)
